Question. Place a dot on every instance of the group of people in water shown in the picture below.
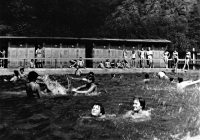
(33, 90)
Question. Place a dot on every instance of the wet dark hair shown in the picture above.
(141, 100)
(146, 76)
(180, 79)
(102, 110)
(90, 74)
(164, 72)
(171, 79)
(91, 78)
(21, 69)
(32, 76)
(16, 73)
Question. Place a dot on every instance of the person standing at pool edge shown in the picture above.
(175, 58)
(133, 61)
(32, 88)
(38, 53)
(187, 59)
(150, 57)
(166, 58)
(142, 57)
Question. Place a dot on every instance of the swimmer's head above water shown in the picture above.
(21, 70)
(32, 76)
(146, 76)
(180, 79)
(138, 104)
(16, 73)
(90, 74)
(97, 110)
(91, 79)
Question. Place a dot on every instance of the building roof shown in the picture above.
(89, 39)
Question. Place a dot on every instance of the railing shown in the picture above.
(89, 62)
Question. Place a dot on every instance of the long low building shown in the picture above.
(57, 51)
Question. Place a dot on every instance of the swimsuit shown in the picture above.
(175, 54)
(187, 55)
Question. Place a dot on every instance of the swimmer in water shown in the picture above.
(84, 79)
(15, 77)
(88, 89)
(162, 75)
(18, 74)
(138, 113)
(99, 111)
(21, 73)
(146, 79)
(78, 72)
(181, 85)
(32, 88)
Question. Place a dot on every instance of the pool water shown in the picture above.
(61, 117)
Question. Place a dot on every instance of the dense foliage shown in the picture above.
(176, 20)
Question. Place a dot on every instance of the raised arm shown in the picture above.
(87, 91)
(83, 86)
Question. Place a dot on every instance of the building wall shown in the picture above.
(21, 53)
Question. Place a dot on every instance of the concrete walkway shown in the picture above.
(43, 71)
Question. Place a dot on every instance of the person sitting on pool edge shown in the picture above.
(32, 88)
(138, 113)
(88, 89)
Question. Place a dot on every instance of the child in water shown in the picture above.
(15, 77)
(21, 73)
(84, 79)
(162, 75)
(181, 85)
(18, 74)
(88, 89)
(32, 88)
(99, 111)
(138, 113)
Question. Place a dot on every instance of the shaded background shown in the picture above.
(176, 20)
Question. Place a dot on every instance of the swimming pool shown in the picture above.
(59, 117)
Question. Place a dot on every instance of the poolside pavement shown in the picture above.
(9, 71)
